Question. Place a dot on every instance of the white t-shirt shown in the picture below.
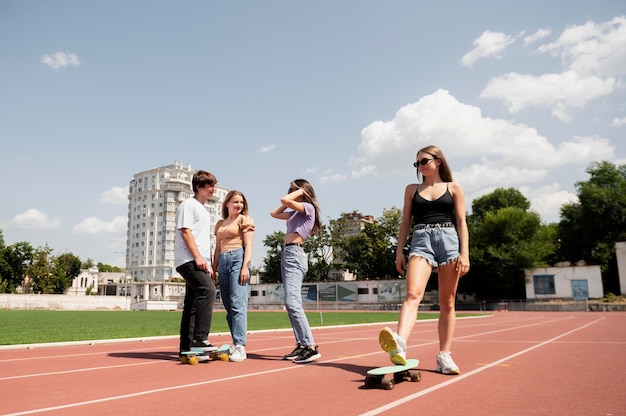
(193, 215)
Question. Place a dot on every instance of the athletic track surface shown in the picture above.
(512, 363)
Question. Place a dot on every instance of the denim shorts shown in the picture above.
(437, 243)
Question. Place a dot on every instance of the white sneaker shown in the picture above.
(394, 344)
(238, 354)
(445, 364)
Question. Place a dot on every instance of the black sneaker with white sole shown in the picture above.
(307, 355)
(294, 354)
(204, 345)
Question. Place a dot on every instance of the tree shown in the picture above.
(505, 240)
(320, 254)
(17, 257)
(106, 268)
(371, 253)
(499, 198)
(271, 272)
(589, 229)
(66, 268)
(40, 271)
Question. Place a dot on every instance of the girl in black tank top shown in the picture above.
(438, 211)
(436, 244)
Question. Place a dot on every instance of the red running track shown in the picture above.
(512, 363)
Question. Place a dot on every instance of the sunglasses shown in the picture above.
(422, 162)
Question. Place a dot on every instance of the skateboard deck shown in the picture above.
(194, 356)
(387, 377)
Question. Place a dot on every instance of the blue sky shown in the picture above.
(342, 93)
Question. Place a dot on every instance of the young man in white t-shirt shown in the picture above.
(192, 259)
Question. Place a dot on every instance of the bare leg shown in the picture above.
(418, 273)
(448, 282)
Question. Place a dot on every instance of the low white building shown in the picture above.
(569, 282)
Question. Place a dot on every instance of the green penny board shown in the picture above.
(381, 371)
(387, 377)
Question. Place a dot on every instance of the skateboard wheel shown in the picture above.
(370, 382)
(416, 376)
(223, 357)
(387, 383)
(184, 359)
(193, 360)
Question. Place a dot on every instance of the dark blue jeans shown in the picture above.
(200, 291)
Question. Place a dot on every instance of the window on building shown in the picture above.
(363, 291)
(544, 284)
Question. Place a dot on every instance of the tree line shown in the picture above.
(37, 270)
(506, 237)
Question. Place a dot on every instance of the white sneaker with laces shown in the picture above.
(445, 364)
(238, 354)
(393, 344)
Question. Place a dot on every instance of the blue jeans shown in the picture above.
(234, 295)
(200, 290)
(293, 267)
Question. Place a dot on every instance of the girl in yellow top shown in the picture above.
(233, 251)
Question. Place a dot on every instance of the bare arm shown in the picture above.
(405, 227)
(458, 196)
(218, 249)
(248, 238)
(288, 201)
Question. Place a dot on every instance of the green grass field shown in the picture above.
(40, 326)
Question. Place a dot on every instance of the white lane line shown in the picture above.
(80, 370)
(456, 379)
(143, 393)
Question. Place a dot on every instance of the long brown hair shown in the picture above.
(444, 168)
(309, 196)
(227, 199)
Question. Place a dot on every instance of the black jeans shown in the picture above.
(200, 291)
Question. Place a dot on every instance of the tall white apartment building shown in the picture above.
(153, 197)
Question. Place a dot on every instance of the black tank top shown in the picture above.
(438, 211)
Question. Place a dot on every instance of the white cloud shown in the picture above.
(548, 200)
(332, 176)
(618, 122)
(593, 48)
(593, 57)
(538, 35)
(489, 44)
(33, 219)
(562, 92)
(115, 196)
(490, 149)
(60, 60)
(266, 149)
(97, 227)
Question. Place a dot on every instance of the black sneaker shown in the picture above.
(294, 354)
(307, 355)
(205, 346)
